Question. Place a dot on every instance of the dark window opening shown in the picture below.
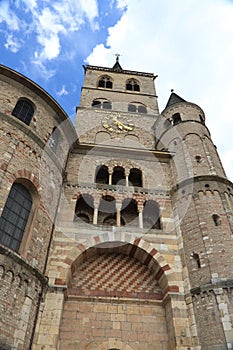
(96, 104)
(142, 109)
(118, 176)
(196, 257)
(24, 111)
(102, 175)
(107, 105)
(132, 85)
(151, 215)
(216, 220)
(198, 159)
(101, 104)
(15, 216)
(202, 120)
(129, 87)
(135, 177)
(105, 82)
(84, 208)
(176, 118)
(132, 108)
(136, 108)
(108, 84)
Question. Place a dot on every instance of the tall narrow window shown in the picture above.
(23, 111)
(15, 216)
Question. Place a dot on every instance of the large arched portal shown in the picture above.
(115, 292)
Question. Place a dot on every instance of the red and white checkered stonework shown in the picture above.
(114, 275)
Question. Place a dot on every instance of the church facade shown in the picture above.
(115, 232)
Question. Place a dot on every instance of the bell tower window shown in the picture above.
(132, 85)
(105, 82)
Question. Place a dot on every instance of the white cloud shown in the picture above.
(12, 44)
(30, 4)
(62, 92)
(191, 52)
(7, 16)
(49, 20)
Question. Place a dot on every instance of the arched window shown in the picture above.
(23, 110)
(102, 103)
(137, 108)
(132, 85)
(176, 118)
(135, 177)
(54, 139)
(15, 216)
(105, 82)
(118, 176)
(84, 208)
(151, 215)
(101, 174)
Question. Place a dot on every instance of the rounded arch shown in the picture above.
(24, 110)
(135, 177)
(84, 208)
(102, 174)
(118, 176)
(16, 221)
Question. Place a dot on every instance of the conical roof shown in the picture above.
(117, 67)
(174, 98)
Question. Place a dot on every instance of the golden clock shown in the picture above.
(117, 123)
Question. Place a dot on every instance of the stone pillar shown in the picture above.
(118, 214)
(126, 178)
(95, 216)
(140, 217)
(110, 178)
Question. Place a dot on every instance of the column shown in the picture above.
(140, 217)
(95, 216)
(118, 214)
(110, 178)
(126, 178)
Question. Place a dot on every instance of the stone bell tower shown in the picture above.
(115, 272)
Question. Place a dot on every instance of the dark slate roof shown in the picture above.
(117, 66)
(174, 98)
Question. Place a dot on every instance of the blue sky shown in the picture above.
(187, 43)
